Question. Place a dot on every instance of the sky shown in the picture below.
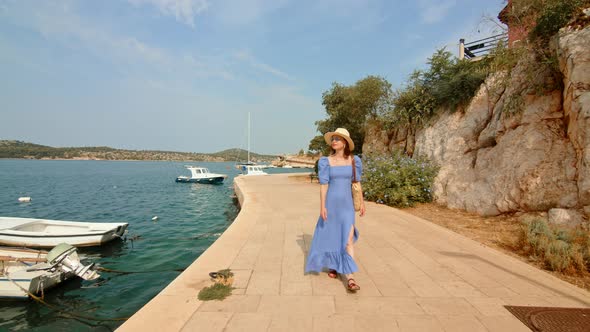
(182, 75)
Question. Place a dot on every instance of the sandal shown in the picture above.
(332, 274)
(352, 286)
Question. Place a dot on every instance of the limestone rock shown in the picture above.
(564, 217)
(527, 168)
(574, 62)
(376, 139)
(492, 161)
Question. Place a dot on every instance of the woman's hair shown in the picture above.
(346, 149)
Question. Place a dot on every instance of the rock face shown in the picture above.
(574, 63)
(493, 162)
(563, 217)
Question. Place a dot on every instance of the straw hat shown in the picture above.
(342, 133)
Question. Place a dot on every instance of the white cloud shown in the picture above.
(59, 22)
(432, 11)
(183, 10)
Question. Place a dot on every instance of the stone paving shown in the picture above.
(414, 275)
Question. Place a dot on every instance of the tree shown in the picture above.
(350, 106)
(317, 144)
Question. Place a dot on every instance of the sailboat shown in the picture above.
(249, 167)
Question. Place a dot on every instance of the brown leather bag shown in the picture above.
(357, 195)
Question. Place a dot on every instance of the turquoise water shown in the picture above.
(191, 217)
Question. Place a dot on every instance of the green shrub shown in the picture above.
(398, 180)
(448, 83)
(559, 249)
(557, 256)
(552, 15)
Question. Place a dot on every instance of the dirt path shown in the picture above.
(501, 232)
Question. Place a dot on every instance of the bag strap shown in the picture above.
(353, 170)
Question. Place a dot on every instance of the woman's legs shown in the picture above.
(350, 250)
(350, 242)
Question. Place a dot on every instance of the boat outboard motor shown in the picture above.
(65, 256)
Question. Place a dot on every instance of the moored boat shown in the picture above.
(44, 233)
(26, 271)
(201, 175)
(253, 170)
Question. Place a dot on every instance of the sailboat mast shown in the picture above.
(248, 137)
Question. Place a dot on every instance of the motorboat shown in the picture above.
(252, 170)
(27, 271)
(201, 175)
(44, 233)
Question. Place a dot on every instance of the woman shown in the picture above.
(335, 234)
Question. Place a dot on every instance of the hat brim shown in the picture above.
(328, 139)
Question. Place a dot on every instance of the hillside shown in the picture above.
(24, 150)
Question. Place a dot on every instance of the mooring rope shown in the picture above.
(104, 269)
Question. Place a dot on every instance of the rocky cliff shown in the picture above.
(495, 162)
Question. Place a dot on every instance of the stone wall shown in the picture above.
(493, 162)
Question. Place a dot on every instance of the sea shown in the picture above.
(190, 217)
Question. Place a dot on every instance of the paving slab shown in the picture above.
(414, 275)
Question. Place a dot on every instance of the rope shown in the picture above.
(65, 313)
(104, 269)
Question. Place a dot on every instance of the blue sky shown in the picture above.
(182, 75)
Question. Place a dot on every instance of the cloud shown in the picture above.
(183, 10)
(60, 23)
(248, 58)
(433, 11)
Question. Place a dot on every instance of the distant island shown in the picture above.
(23, 150)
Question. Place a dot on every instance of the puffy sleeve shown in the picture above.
(324, 170)
(358, 164)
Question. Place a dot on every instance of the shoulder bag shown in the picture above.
(357, 195)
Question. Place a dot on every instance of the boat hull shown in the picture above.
(40, 233)
(214, 180)
(35, 285)
(18, 279)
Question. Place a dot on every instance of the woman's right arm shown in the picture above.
(324, 178)
(323, 192)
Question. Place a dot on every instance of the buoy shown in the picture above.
(24, 199)
(155, 218)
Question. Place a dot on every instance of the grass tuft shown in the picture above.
(220, 289)
(215, 292)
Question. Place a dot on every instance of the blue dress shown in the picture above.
(328, 247)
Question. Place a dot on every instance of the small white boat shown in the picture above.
(253, 170)
(239, 166)
(43, 233)
(27, 271)
(201, 175)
